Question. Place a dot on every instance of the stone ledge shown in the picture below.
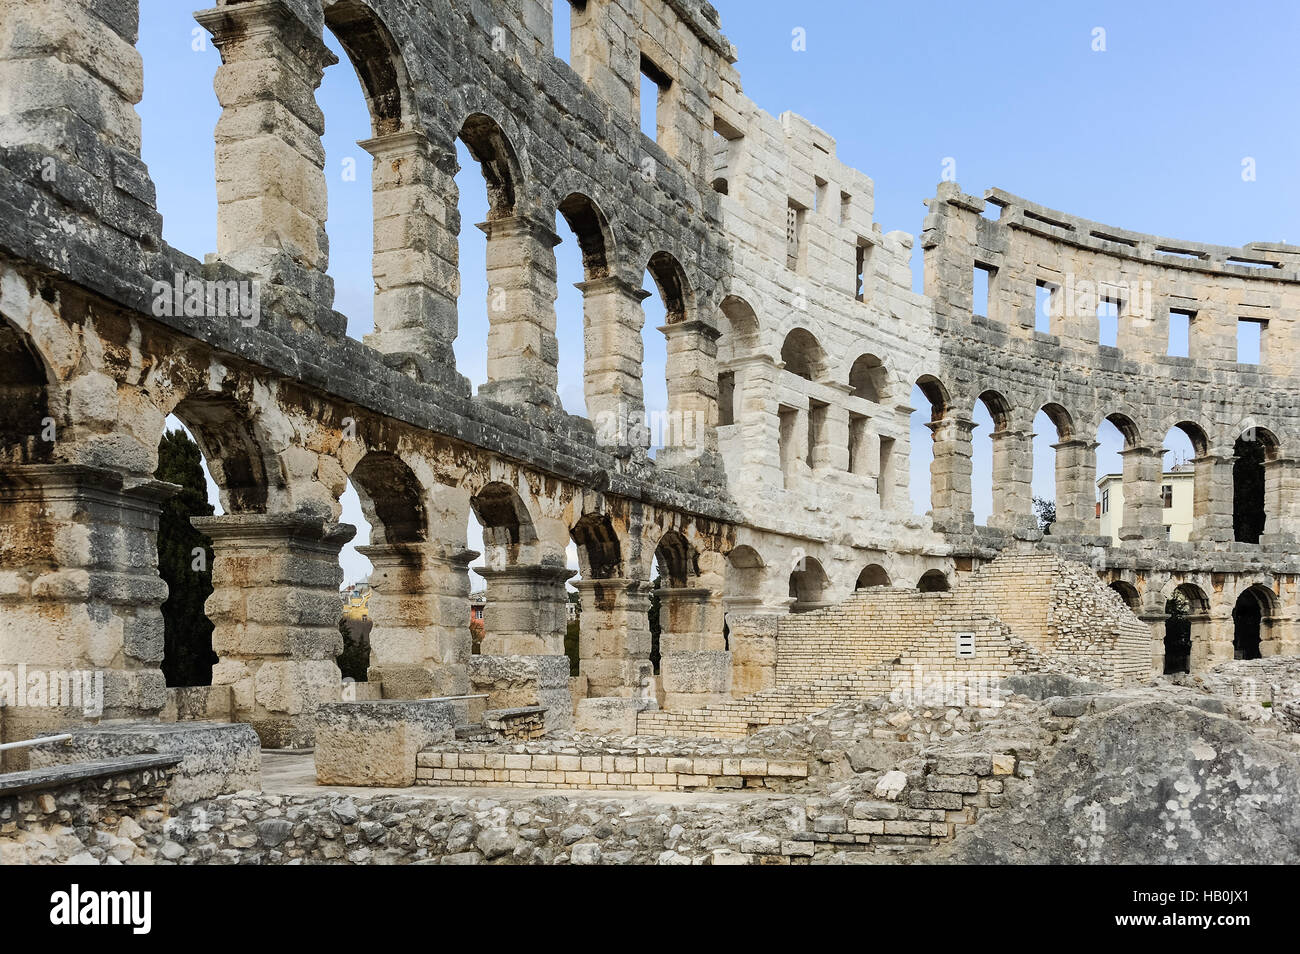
(62, 775)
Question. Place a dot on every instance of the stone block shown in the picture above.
(376, 743)
(216, 759)
(610, 715)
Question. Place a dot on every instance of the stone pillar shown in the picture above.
(1142, 507)
(415, 256)
(419, 609)
(950, 471)
(1076, 488)
(271, 204)
(755, 441)
(522, 351)
(1281, 502)
(1212, 499)
(1212, 637)
(614, 636)
(276, 608)
(81, 630)
(692, 426)
(1156, 620)
(71, 78)
(612, 319)
(526, 612)
(690, 618)
(1013, 474)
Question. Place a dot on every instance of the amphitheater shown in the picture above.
(795, 580)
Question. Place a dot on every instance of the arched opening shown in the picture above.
(583, 365)
(869, 380)
(808, 585)
(391, 623)
(739, 339)
(614, 639)
(1055, 463)
(1184, 493)
(1186, 609)
(872, 575)
(1252, 622)
(1249, 484)
(933, 581)
(681, 415)
(1128, 593)
(802, 355)
(675, 566)
(212, 448)
(27, 432)
(992, 459)
(487, 171)
(744, 583)
(931, 403)
(1116, 434)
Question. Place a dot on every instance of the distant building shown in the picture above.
(477, 602)
(356, 601)
(1176, 491)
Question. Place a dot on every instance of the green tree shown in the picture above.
(185, 563)
(654, 623)
(354, 661)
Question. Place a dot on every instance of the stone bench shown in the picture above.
(376, 743)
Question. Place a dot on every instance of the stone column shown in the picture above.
(81, 630)
(419, 609)
(71, 77)
(1212, 637)
(612, 320)
(950, 471)
(276, 608)
(614, 636)
(1076, 488)
(522, 350)
(526, 612)
(1156, 620)
(415, 258)
(692, 426)
(1013, 474)
(271, 203)
(1212, 499)
(694, 666)
(1142, 507)
(1281, 502)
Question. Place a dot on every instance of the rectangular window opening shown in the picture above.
(817, 412)
(846, 207)
(1045, 303)
(1108, 323)
(857, 439)
(726, 398)
(794, 222)
(654, 83)
(981, 298)
(885, 480)
(1180, 334)
(562, 30)
(789, 418)
(1167, 496)
(819, 195)
(863, 258)
(1250, 340)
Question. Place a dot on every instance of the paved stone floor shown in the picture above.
(294, 773)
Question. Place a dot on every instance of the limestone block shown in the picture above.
(696, 671)
(216, 759)
(610, 715)
(512, 682)
(376, 743)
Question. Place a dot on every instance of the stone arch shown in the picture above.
(508, 527)
(235, 449)
(1128, 593)
(873, 574)
(24, 400)
(936, 394)
(1061, 419)
(1127, 427)
(679, 561)
(1252, 622)
(808, 585)
(491, 149)
(592, 230)
(1252, 497)
(670, 278)
(1010, 467)
(600, 554)
(869, 379)
(802, 354)
(392, 498)
(1186, 629)
(933, 581)
(378, 60)
(740, 328)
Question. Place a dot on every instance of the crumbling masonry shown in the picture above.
(793, 341)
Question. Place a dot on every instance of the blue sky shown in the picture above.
(1149, 133)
